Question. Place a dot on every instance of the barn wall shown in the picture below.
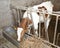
(5, 16)
(56, 4)
(26, 2)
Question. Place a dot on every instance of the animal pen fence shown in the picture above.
(17, 12)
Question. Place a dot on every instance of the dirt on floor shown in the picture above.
(33, 43)
(4, 43)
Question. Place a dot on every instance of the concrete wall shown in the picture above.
(26, 2)
(56, 4)
(5, 16)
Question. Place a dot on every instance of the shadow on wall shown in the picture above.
(26, 2)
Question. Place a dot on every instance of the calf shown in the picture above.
(46, 7)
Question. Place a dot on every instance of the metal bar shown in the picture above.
(56, 11)
(40, 26)
(18, 13)
(32, 21)
(55, 30)
(47, 36)
(39, 30)
(28, 21)
(16, 18)
(46, 32)
(21, 15)
(25, 8)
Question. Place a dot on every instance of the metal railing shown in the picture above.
(57, 14)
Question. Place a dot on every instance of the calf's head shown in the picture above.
(46, 6)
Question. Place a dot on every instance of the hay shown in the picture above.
(33, 43)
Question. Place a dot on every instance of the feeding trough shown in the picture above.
(10, 34)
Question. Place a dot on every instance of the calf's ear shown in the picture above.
(39, 7)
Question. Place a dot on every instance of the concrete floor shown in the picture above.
(5, 43)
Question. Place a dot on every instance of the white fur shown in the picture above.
(19, 30)
(48, 5)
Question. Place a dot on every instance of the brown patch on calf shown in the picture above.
(42, 7)
(46, 15)
(24, 24)
(39, 7)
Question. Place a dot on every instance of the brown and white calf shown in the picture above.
(23, 27)
(46, 7)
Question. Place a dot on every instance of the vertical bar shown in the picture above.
(39, 28)
(16, 16)
(46, 32)
(55, 30)
(28, 12)
(32, 21)
(20, 14)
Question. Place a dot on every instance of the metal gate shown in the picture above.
(18, 16)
